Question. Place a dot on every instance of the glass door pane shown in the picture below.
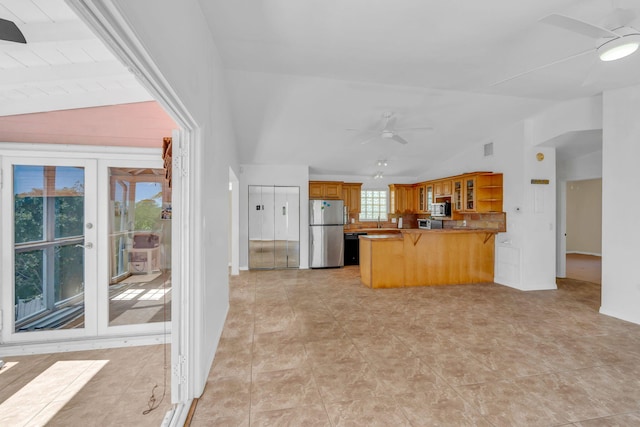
(139, 241)
(48, 225)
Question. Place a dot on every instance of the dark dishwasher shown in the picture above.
(352, 248)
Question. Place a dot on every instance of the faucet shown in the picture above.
(379, 225)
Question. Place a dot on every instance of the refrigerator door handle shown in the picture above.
(284, 210)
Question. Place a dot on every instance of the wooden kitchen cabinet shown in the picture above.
(480, 192)
(351, 193)
(402, 198)
(457, 203)
(469, 191)
(325, 190)
(442, 188)
(424, 196)
(489, 192)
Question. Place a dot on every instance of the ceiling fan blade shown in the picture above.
(399, 139)
(364, 131)
(9, 31)
(541, 67)
(416, 128)
(578, 26)
(368, 140)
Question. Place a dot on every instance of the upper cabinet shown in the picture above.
(457, 201)
(489, 192)
(325, 190)
(469, 189)
(402, 198)
(480, 192)
(424, 195)
(473, 192)
(351, 193)
(442, 188)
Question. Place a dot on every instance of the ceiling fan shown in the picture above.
(616, 42)
(9, 31)
(388, 130)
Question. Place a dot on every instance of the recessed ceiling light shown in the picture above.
(619, 48)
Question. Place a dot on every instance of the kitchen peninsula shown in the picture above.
(418, 257)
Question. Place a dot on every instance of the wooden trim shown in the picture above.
(191, 413)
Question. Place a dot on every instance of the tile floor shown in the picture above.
(316, 348)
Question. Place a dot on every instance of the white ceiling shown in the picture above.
(302, 72)
(62, 66)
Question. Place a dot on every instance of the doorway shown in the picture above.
(584, 229)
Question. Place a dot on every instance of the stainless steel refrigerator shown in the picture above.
(326, 233)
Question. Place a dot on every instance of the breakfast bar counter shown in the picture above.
(419, 257)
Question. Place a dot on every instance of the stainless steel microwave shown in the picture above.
(441, 209)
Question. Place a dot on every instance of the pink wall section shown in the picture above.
(141, 124)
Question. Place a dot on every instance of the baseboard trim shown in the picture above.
(583, 253)
(633, 319)
(192, 411)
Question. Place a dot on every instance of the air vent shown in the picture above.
(488, 149)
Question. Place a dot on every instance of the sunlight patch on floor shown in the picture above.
(38, 401)
(153, 295)
(128, 295)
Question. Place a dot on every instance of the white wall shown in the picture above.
(575, 115)
(620, 227)
(178, 40)
(588, 166)
(295, 176)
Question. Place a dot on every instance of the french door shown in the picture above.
(48, 248)
(85, 246)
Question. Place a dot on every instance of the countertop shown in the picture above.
(450, 230)
(392, 236)
(372, 230)
(397, 231)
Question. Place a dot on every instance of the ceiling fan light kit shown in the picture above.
(619, 48)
